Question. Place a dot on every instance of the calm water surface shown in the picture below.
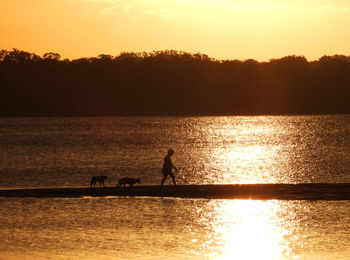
(58, 152)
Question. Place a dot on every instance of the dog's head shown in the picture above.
(138, 180)
(104, 177)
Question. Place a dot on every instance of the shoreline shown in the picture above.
(308, 191)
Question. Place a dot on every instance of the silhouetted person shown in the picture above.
(167, 167)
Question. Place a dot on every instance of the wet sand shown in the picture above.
(220, 191)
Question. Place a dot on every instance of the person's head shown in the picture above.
(170, 151)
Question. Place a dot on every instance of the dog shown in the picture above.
(100, 179)
(130, 181)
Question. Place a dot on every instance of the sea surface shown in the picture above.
(66, 152)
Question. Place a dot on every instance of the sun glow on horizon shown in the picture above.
(223, 29)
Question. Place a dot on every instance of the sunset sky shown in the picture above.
(223, 29)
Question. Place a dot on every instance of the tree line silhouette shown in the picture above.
(170, 83)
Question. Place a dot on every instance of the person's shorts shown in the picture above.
(166, 173)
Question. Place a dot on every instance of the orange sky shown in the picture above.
(224, 29)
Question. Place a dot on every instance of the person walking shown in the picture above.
(167, 167)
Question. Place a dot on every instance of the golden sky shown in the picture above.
(223, 29)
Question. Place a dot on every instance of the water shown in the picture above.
(155, 228)
(45, 152)
(60, 152)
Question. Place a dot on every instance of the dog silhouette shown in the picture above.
(100, 179)
(129, 181)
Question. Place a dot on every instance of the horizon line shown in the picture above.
(174, 50)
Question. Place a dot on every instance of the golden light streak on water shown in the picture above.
(247, 152)
(246, 229)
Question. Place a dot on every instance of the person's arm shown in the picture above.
(173, 166)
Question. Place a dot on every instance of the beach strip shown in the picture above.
(319, 191)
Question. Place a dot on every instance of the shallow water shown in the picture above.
(57, 152)
(156, 228)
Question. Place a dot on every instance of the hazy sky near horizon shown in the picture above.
(223, 29)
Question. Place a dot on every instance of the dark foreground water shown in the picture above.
(60, 152)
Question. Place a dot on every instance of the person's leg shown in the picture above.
(163, 180)
(173, 177)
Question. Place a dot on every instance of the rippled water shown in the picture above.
(56, 152)
(154, 228)
(59, 152)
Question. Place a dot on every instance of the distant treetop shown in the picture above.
(170, 82)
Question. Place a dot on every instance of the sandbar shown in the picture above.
(307, 191)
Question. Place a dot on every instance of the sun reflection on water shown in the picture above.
(251, 164)
(245, 229)
(247, 154)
